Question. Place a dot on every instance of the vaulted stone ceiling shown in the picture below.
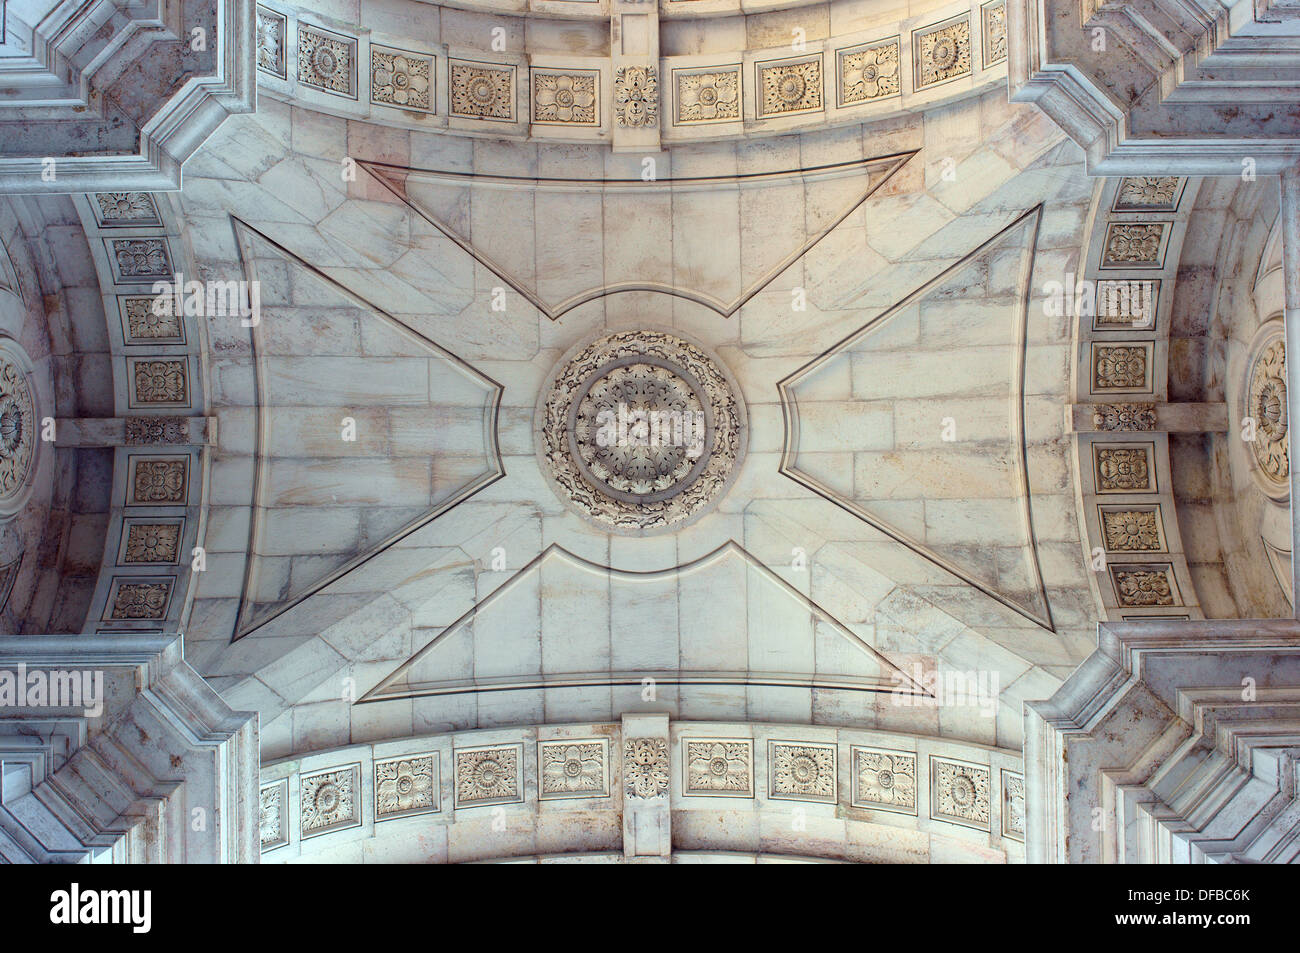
(378, 510)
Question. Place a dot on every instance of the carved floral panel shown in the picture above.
(993, 19)
(884, 780)
(271, 31)
(1013, 805)
(1155, 193)
(150, 320)
(1125, 367)
(869, 72)
(790, 87)
(482, 91)
(489, 775)
(803, 771)
(159, 481)
(273, 820)
(1121, 469)
(645, 768)
(160, 382)
(704, 96)
(1133, 245)
(959, 792)
(573, 768)
(330, 800)
(327, 61)
(1132, 530)
(942, 52)
(406, 785)
(140, 259)
(139, 599)
(565, 98)
(126, 208)
(1141, 586)
(154, 543)
(636, 96)
(718, 767)
(402, 79)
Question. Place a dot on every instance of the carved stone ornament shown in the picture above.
(143, 431)
(645, 767)
(572, 769)
(719, 767)
(1144, 586)
(790, 87)
(869, 72)
(1124, 417)
(487, 776)
(636, 96)
(960, 793)
(1122, 468)
(943, 52)
(330, 801)
(803, 772)
(640, 431)
(1264, 408)
(17, 426)
(1130, 531)
(707, 96)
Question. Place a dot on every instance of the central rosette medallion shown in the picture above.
(640, 430)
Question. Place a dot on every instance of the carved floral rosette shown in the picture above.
(1264, 404)
(18, 423)
(568, 463)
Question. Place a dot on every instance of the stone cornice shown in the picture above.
(121, 100)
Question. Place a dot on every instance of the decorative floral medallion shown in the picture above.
(399, 78)
(152, 543)
(1120, 368)
(960, 792)
(640, 431)
(1133, 245)
(645, 767)
(942, 52)
(126, 208)
(1124, 417)
(488, 776)
(1131, 530)
(18, 422)
(565, 98)
(1145, 586)
(327, 61)
(572, 769)
(719, 767)
(636, 96)
(329, 801)
(884, 780)
(137, 600)
(803, 772)
(869, 72)
(790, 87)
(1013, 805)
(1264, 408)
(273, 818)
(270, 42)
(405, 786)
(711, 96)
(1148, 193)
(482, 91)
(1120, 469)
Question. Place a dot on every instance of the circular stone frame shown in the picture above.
(1263, 398)
(691, 497)
(17, 395)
